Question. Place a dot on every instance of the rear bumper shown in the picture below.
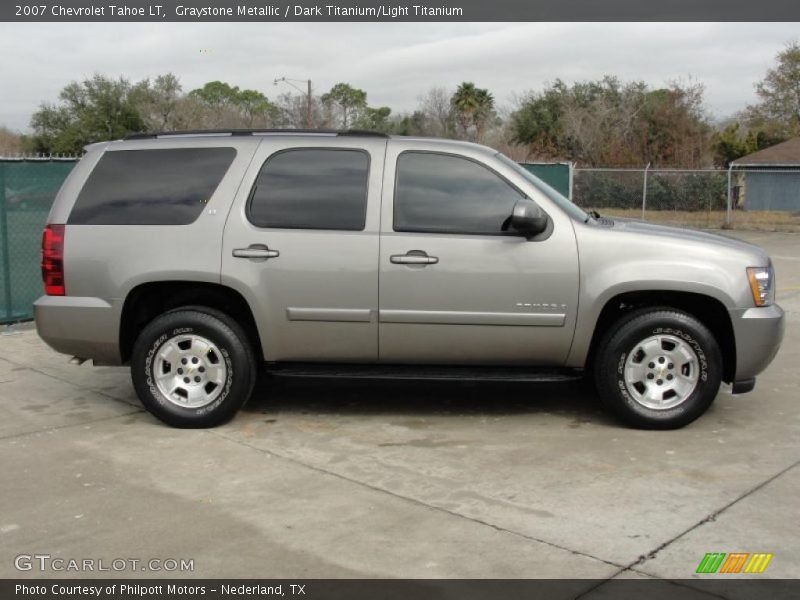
(79, 326)
(758, 333)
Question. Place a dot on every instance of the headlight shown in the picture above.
(762, 284)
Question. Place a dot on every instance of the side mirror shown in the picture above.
(528, 218)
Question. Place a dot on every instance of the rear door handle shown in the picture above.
(414, 257)
(256, 251)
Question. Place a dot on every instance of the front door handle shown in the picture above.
(414, 257)
(256, 251)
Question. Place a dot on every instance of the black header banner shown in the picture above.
(398, 10)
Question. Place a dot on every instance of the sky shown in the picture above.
(394, 63)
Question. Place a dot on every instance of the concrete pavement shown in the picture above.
(412, 479)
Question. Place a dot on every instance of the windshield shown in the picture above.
(563, 203)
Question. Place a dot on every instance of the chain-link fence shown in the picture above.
(765, 199)
(27, 189)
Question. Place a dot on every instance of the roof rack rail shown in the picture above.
(237, 132)
(362, 133)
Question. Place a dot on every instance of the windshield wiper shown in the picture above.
(592, 214)
(605, 221)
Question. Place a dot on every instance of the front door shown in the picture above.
(454, 287)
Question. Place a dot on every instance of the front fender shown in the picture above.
(602, 289)
(621, 260)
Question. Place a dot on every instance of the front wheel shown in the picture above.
(193, 367)
(658, 368)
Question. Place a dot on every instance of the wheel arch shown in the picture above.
(148, 300)
(706, 309)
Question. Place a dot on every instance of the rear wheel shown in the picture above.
(193, 367)
(658, 368)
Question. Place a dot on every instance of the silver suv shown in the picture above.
(194, 257)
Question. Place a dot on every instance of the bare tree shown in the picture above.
(435, 105)
(189, 113)
(292, 111)
(10, 142)
(158, 101)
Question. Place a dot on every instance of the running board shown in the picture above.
(426, 372)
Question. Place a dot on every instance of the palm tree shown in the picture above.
(484, 112)
(473, 107)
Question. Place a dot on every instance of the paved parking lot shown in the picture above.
(359, 479)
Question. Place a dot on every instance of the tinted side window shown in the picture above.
(439, 193)
(311, 189)
(151, 187)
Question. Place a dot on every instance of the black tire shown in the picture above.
(235, 355)
(625, 337)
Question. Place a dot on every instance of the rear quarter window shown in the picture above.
(151, 187)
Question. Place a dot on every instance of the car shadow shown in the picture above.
(574, 400)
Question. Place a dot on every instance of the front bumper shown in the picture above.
(79, 326)
(758, 332)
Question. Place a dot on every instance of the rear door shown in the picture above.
(301, 245)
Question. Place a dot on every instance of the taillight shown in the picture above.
(53, 260)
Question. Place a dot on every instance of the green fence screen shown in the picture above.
(27, 189)
(556, 175)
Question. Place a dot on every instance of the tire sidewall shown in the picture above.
(611, 375)
(238, 382)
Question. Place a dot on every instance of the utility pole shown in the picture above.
(309, 120)
(309, 99)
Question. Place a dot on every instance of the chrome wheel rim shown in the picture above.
(189, 371)
(661, 372)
